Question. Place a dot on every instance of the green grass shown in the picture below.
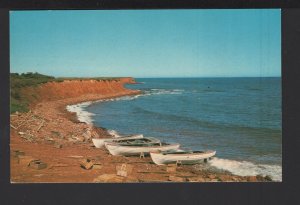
(18, 102)
(87, 78)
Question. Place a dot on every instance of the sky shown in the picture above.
(147, 43)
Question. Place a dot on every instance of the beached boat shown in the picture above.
(99, 142)
(137, 142)
(138, 149)
(182, 157)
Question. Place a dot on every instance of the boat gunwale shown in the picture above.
(187, 154)
(118, 145)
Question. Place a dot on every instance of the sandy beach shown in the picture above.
(54, 136)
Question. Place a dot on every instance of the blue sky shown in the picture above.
(147, 43)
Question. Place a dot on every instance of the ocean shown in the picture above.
(240, 118)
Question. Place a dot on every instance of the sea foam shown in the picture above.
(81, 113)
(245, 168)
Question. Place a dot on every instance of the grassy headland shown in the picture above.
(19, 102)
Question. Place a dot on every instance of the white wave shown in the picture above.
(85, 116)
(146, 93)
(164, 91)
(245, 168)
(82, 115)
(114, 133)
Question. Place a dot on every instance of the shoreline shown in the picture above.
(81, 113)
(56, 136)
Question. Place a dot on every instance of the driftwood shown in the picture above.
(75, 157)
(42, 123)
(13, 126)
(29, 120)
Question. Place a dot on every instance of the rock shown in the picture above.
(37, 164)
(86, 163)
(124, 170)
(211, 176)
(21, 133)
(268, 178)
(260, 178)
(108, 178)
(251, 179)
(176, 179)
(171, 168)
(25, 160)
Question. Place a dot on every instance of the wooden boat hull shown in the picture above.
(188, 158)
(116, 149)
(100, 142)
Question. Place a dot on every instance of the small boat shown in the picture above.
(138, 149)
(181, 157)
(99, 142)
(136, 142)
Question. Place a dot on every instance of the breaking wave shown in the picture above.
(86, 117)
(114, 133)
(82, 114)
(146, 93)
(245, 168)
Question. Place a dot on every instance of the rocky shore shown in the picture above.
(49, 144)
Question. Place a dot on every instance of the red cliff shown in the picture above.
(76, 88)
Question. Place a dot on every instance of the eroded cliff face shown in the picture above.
(75, 88)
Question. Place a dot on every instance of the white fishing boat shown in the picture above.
(137, 142)
(182, 157)
(138, 149)
(99, 142)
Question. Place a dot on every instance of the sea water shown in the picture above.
(240, 118)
